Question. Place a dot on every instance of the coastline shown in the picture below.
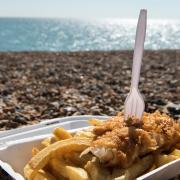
(43, 85)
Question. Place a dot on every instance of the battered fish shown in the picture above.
(120, 143)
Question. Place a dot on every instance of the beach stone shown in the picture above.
(3, 122)
(70, 109)
(174, 109)
(20, 119)
(8, 109)
(12, 124)
(5, 92)
(55, 104)
(157, 101)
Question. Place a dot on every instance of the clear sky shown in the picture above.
(158, 9)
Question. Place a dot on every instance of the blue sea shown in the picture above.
(31, 34)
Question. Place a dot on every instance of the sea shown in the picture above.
(66, 34)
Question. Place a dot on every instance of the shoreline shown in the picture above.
(43, 85)
(91, 51)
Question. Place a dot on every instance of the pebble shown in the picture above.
(8, 109)
(3, 122)
(55, 104)
(12, 124)
(174, 109)
(70, 109)
(157, 101)
(20, 119)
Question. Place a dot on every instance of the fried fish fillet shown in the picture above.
(120, 143)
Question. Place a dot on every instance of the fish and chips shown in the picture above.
(110, 150)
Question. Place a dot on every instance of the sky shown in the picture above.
(157, 9)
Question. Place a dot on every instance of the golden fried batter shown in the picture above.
(120, 143)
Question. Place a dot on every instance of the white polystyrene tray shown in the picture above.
(47, 123)
(16, 152)
(44, 130)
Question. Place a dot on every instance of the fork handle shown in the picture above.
(139, 47)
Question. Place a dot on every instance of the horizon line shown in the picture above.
(87, 18)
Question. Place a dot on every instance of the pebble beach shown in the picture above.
(35, 86)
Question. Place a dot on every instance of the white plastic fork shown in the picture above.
(134, 103)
